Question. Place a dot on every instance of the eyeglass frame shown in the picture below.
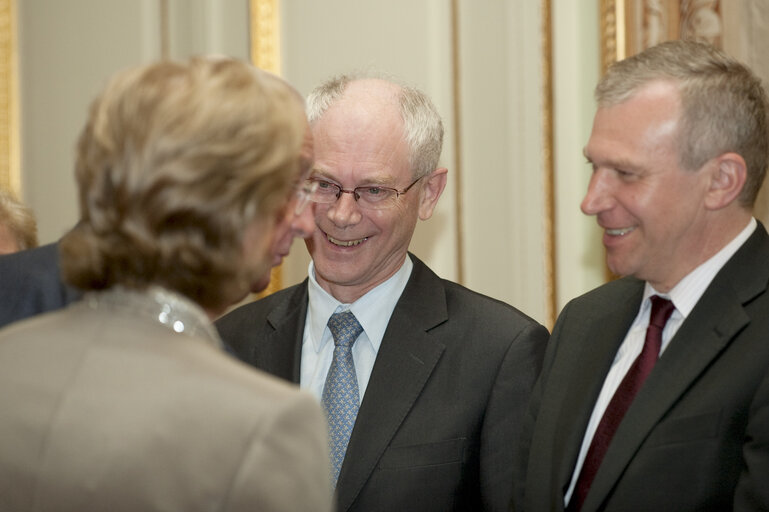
(303, 195)
(354, 191)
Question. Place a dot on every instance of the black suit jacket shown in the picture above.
(696, 437)
(30, 284)
(439, 424)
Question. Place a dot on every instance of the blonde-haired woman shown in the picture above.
(125, 400)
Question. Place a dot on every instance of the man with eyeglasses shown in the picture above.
(424, 382)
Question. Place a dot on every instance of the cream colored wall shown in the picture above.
(501, 77)
(68, 49)
(579, 253)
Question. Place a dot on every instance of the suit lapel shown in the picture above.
(712, 325)
(406, 359)
(285, 322)
(600, 332)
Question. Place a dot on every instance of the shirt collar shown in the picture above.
(688, 291)
(373, 310)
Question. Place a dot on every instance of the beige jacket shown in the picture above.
(117, 412)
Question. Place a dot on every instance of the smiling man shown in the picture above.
(425, 383)
(655, 389)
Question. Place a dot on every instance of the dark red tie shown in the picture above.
(634, 379)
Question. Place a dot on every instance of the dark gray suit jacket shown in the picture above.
(697, 434)
(439, 425)
(30, 284)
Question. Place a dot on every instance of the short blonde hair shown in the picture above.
(19, 220)
(724, 104)
(175, 160)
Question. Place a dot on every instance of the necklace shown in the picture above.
(168, 308)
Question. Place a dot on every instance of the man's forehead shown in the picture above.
(372, 88)
(361, 111)
(366, 99)
(358, 128)
(658, 89)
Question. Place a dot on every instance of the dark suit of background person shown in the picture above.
(439, 422)
(696, 436)
(29, 276)
(30, 284)
(124, 401)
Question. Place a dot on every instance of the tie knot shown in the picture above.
(344, 328)
(661, 310)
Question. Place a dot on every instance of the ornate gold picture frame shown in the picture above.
(629, 26)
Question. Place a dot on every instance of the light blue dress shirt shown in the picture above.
(373, 311)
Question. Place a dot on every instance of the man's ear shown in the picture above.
(433, 186)
(728, 173)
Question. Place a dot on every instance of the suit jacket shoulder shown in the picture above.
(434, 301)
(267, 333)
(439, 425)
(128, 415)
(31, 284)
(691, 433)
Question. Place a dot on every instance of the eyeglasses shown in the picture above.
(304, 194)
(372, 197)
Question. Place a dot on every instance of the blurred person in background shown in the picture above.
(18, 228)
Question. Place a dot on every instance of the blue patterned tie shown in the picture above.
(340, 393)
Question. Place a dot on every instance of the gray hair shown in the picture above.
(422, 126)
(724, 104)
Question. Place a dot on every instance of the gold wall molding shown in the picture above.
(265, 34)
(265, 54)
(630, 26)
(612, 33)
(551, 306)
(10, 178)
(456, 106)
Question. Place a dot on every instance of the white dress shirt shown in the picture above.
(373, 311)
(685, 295)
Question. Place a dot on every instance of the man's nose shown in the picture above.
(598, 197)
(345, 211)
